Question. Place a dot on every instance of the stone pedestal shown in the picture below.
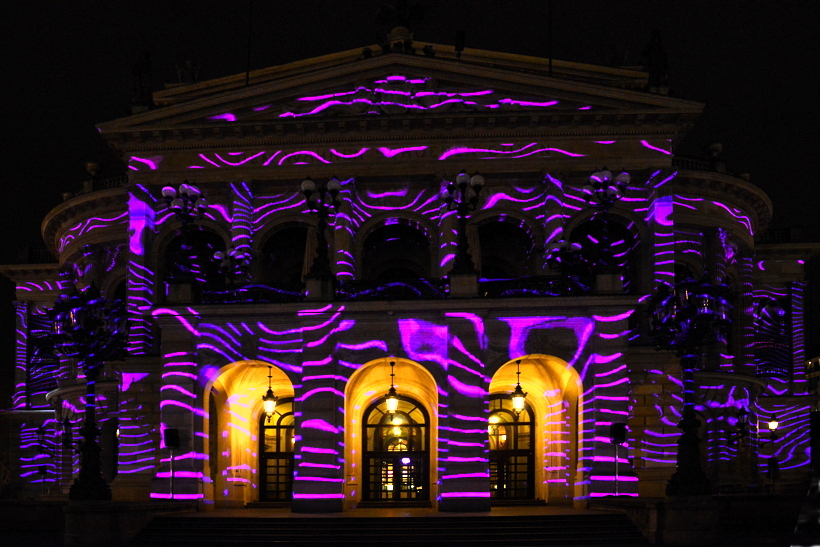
(609, 284)
(320, 287)
(463, 285)
(179, 293)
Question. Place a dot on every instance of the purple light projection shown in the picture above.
(89, 225)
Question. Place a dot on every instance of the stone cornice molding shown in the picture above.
(30, 272)
(720, 186)
(96, 202)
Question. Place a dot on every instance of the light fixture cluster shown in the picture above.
(233, 263)
(321, 201)
(603, 190)
(462, 196)
(187, 203)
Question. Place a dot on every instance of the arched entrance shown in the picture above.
(512, 454)
(239, 444)
(276, 453)
(545, 433)
(396, 453)
(387, 462)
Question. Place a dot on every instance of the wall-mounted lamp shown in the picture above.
(518, 395)
(269, 400)
(392, 398)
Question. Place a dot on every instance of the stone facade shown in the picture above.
(396, 129)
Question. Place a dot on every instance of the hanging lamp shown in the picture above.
(269, 400)
(518, 395)
(392, 398)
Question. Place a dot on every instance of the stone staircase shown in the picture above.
(565, 530)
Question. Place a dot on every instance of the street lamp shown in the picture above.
(92, 330)
(322, 202)
(462, 196)
(685, 318)
(603, 191)
(233, 263)
(772, 426)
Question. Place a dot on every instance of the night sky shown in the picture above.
(67, 65)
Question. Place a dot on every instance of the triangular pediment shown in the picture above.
(347, 86)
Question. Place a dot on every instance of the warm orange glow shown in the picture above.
(518, 398)
(392, 401)
(773, 424)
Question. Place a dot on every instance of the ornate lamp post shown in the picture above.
(187, 203)
(322, 202)
(462, 196)
(603, 191)
(233, 263)
(686, 318)
(92, 330)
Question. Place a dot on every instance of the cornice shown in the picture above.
(721, 185)
(30, 272)
(96, 202)
(353, 129)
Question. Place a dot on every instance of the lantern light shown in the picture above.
(773, 424)
(269, 400)
(518, 395)
(392, 398)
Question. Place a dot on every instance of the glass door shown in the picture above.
(512, 469)
(276, 453)
(396, 454)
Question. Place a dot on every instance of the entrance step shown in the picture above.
(517, 503)
(553, 530)
(391, 504)
(267, 504)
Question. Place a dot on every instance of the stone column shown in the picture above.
(141, 280)
(318, 483)
(181, 408)
(464, 477)
(608, 386)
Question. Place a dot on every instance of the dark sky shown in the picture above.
(66, 65)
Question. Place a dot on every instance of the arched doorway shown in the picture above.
(396, 454)
(276, 453)
(237, 440)
(512, 454)
(547, 430)
(367, 420)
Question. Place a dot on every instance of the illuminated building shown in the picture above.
(395, 130)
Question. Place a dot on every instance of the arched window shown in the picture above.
(506, 250)
(283, 257)
(396, 251)
(512, 456)
(396, 453)
(190, 257)
(276, 453)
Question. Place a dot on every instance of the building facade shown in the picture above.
(555, 301)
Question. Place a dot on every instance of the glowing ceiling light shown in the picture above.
(269, 400)
(518, 395)
(392, 398)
